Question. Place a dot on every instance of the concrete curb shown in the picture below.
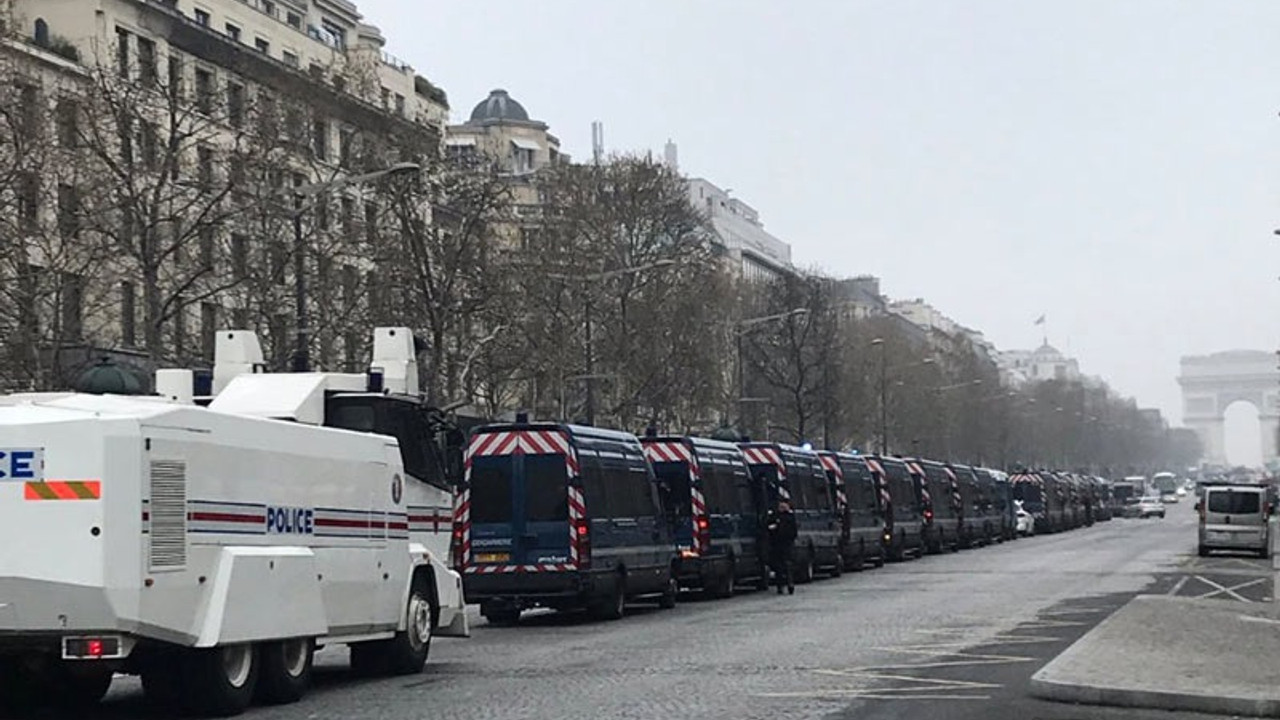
(1124, 697)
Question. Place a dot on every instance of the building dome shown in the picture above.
(107, 378)
(499, 106)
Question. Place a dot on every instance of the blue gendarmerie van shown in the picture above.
(714, 508)
(862, 507)
(904, 532)
(560, 516)
(795, 474)
(943, 514)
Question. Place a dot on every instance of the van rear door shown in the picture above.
(519, 503)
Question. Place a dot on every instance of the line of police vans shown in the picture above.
(571, 517)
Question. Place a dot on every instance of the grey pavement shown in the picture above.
(1181, 653)
(905, 641)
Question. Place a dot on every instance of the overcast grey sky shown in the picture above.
(1112, 164)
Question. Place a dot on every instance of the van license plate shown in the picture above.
(493, 557)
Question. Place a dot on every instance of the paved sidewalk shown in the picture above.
(1174, 654)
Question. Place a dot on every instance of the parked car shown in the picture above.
(1234, 517)
(1025, 521)
(1149, 506)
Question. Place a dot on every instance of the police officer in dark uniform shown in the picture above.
(781, 526)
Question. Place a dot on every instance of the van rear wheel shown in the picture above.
(286, 670)
(220, 681)
(80, 685)
(667, 600)
(614, 605)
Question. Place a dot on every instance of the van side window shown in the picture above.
(719, 485)
(629, 491)
(593, 484)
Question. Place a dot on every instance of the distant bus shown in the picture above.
(1166, 484)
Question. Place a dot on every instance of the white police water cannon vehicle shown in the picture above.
(212, 550)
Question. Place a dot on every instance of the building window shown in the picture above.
(263, 46)
(29, 201)
(31, 115)
(322, 212)
(348, 215)
(122, 52)
(233, 32)
(68, 210)
(235, 104)
(278, 261)
(148, 72)
(204, 167)
(269, 8)
(320, 138)
(208, 329)
(68, 121)
(72, 307)
(175, 73)
(128, 314)
(294, 20)
(239, 256)
(386, 98)
(204, 91)
(371, 223)
(208, 245)
(346, 143)
(399, 104)
(202, 17)
(148, 144)
(290, 59)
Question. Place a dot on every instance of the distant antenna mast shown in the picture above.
(597, 141)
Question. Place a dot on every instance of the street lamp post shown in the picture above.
(301, 361)
(884, 397)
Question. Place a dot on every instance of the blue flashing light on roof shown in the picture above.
(807, 446)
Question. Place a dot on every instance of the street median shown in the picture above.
(1174, 653)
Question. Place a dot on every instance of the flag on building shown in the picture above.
(1040, 320)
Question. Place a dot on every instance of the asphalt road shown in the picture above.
(950, 636)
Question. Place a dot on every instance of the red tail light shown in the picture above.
(928, 515)
(584, 543)
(455, 545)
(704, 534)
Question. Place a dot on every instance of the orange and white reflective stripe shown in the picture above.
(63, 490)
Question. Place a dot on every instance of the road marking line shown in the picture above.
(868, 695)
(938, 683)
(1179, 585)
(1228, 590)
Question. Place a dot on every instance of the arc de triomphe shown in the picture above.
(1210, 383)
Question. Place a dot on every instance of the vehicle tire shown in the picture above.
(162, 682)
(806, 569)
(407, 652)
(725, 583)
(79, 685)
(762, 582)
(284, 672)
(1203, 551)
(500, 615)
(220, 681)
(667, 600)
(837, 568)
(614, 605)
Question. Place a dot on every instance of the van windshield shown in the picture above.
(491, 488)
(1234, 502)
(545, 488)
